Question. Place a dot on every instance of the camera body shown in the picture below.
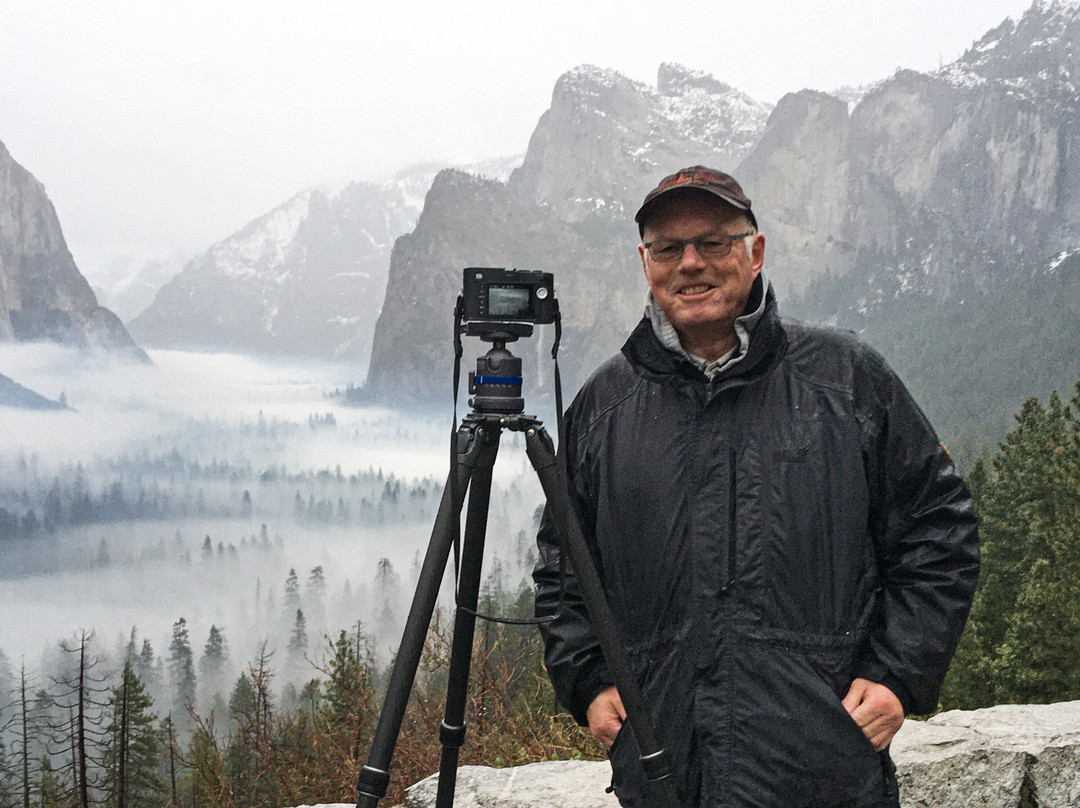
(499, 306)
(498, 295)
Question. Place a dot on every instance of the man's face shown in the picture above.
(701, 296)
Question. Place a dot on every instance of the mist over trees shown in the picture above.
(98, 734)
(241, 583)
(179, 482)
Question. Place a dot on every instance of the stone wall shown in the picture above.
(1009, 756)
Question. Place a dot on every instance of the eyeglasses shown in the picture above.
(714, 245)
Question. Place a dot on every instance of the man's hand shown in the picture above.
(606, 716)
(876, 710)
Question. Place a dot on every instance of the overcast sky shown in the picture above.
(163, 126)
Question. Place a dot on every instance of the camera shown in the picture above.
(499, 306)
(508, 295)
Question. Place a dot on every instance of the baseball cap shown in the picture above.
(706, 179)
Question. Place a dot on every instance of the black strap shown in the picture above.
(456, 517)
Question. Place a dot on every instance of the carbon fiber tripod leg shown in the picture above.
(375, 775)
(452, 730)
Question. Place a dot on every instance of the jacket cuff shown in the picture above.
(875, 671)
(586, 689)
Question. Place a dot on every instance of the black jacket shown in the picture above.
(763, 539)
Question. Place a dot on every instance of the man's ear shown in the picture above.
(757, 255)
(644, 263)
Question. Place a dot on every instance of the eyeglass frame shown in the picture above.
(682, 242)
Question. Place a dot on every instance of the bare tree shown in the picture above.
(79, 693)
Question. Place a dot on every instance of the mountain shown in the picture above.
(307, 278)
(568, 210)
(13, 394)
(970, 172)
(43, 296)
(930, 212)
(606, 139)
(128, 285)
(470, 221)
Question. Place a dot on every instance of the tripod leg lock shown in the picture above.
(451, 736)
(656, 766)
(373, 782)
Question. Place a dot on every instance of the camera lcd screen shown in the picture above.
(508, 301)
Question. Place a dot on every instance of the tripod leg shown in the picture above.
(375, 775)
(452, 731)
(654, 760)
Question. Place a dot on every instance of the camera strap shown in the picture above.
(456, 515)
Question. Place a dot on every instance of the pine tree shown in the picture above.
(387, 593)
(9, 720)
(136, 745)
(297, 642)
(348, 704)
(1023, 636)
(248, 754)
(26, 730)
(1036, 659)
(181, 673)
(314, 594)
(213, 662)
(292, 590)
(316, 582)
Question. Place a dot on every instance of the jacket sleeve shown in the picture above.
(926, 540)
(572, 653)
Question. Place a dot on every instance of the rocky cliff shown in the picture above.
(43, 296)
(567, 210)
(968, 173)
(605, 140)
(469, 221)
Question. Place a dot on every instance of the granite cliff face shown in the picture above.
(43, 296)
(469, 221)
(960, 176)
(798, 175)
(606, 139)
(568, 210)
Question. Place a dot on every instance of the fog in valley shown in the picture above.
(227, 503)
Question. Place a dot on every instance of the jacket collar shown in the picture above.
(767, 344)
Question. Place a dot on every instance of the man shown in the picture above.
(787, 548)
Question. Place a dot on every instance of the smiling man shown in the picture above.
(787, 547)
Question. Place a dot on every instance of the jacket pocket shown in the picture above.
(845, 769)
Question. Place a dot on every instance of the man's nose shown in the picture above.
(691, 258)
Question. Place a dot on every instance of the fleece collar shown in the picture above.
(744, 326)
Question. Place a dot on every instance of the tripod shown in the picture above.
(476, 444)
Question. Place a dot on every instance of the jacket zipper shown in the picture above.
(732, 515)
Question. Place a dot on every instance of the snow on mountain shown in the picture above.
(1033, 57)
(701, 107)
(607, 139)
(307, 278)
